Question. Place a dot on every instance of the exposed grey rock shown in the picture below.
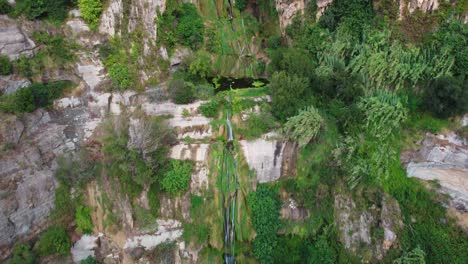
(322, 5)
(178, 56)
(11, 130)
(291, 210)
(84, 248)
(356, 226)
(111, 18)
(444, 158)
(287, 10)
(14, 43)
(12, 83)
(264, 155)
(77, 26)
(168, 230)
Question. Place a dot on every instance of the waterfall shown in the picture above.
(229, 188)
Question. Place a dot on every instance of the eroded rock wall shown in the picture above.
(14, 43)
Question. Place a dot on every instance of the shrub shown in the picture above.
(189, 27)
(5, 7)
(241, 4)
(288, 94)
(121, 76)
(201, 66)
(22, 254)
(384, 112)
(55, 10)
(54, 241)
(210, 108)
(143, 217)
(83, 220)
(181, 92)
(32, 97)
(305, 126)
(5, 65)
(265, 206)
(256, 125)
(415, 256)
(176, 180)
(91, 11)
(447, 96)
(89, 260)
(23, 67)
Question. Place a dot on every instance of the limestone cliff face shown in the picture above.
(14, 43)
(287, 9)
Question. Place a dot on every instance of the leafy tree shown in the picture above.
(176, 180)
(5, 7)
(55, 240)
(415, 256)
(201, 66)
(5, 65)
(447, 96)
(265, 205)
(210, 108)
(190, 28)
(22, 254)
(56, 10)
(293, 61)
(83, 219)
(305, 126)
(91, 11)
(288, 94)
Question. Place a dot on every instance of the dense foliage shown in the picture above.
(54, 240)
(447, 96)
(288, 94)
(5, 65)
(305, 126)
(91, 11)
(5, 7)
(181, 92)
(32, 97)
(264, 205)
(55, 10)
(177, 178)
(83, 220)
(181, 25)
(22, 254)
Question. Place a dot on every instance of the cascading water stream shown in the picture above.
(230, 186)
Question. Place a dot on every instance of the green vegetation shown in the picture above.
(32, 97)
(256, 125)
(22, 254)
(5, 65)
(415, 256)
(83, 220)
(177, 178)
(5, 7)
(188, 29)
(181, 92)
(120, 64)
(91, 11)
(447, 96)
(288, 94)
(265, 206)
(54, 240)
(304, 127)
(89, 260)
(55, 10)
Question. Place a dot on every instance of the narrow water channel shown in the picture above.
(229, 189)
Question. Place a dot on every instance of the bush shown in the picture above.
(256, 125)
(415, 256)
(23, 67)
(55, 10)
(83, 220)
(265, 207)
(305, 126)
(22, 254)
(121, 76)
(176, 180)
(288, 94)
(89, 260)
(241, 4)
(91, 11)
(447, 96)
(189, 27)
(32, 97)
(210, 108)
(54, 241)
(181, 92)
(5, 7)
(5, 65)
